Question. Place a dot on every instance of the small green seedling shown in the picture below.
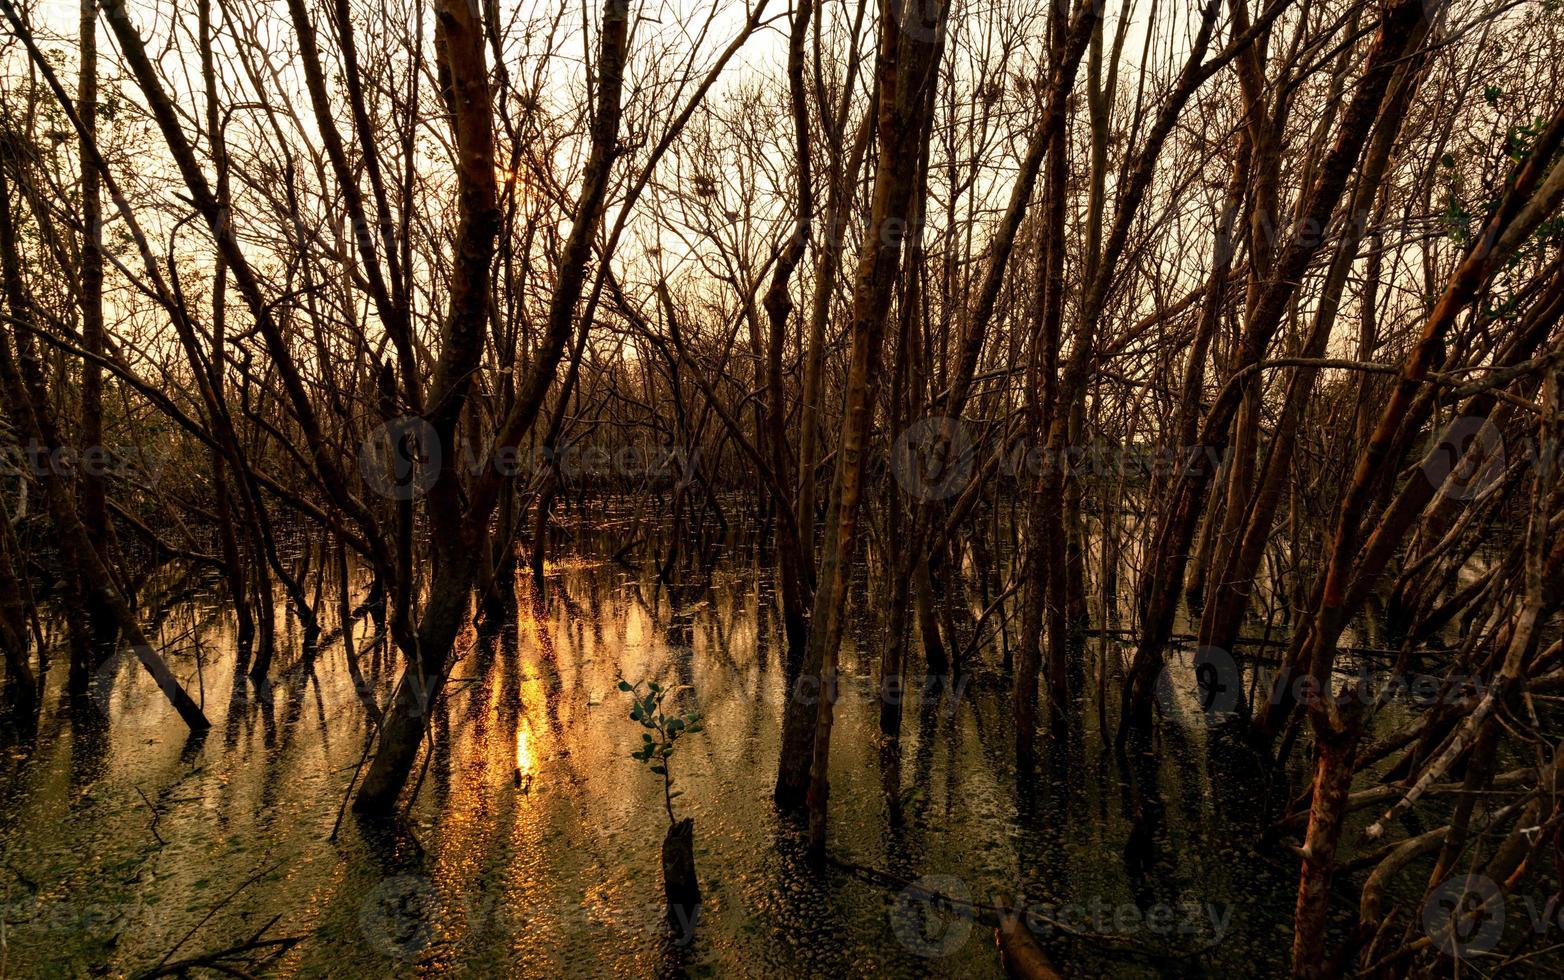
(662, 731)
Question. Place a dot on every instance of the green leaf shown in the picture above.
(625, 686)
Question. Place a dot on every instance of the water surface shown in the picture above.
(533, 845)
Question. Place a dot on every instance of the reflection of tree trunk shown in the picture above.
(21, 685)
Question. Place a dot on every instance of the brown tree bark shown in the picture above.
(907, 63)
(458, 528)
(1402, 28)
(33, 418)
(100, 628)
(791, 557)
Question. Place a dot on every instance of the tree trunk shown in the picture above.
(101, 629)
(681, 885)
(907, 65)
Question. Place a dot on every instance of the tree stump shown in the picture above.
(680, 884)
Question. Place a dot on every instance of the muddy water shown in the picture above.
(533, 847)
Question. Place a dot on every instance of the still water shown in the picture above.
(533, 846)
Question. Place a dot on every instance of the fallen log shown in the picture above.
(1021, 954)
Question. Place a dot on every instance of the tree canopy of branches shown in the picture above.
(1204, 322)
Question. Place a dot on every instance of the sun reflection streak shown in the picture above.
(525, 763)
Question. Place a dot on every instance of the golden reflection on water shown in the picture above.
(524, 760)
(532, 848)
